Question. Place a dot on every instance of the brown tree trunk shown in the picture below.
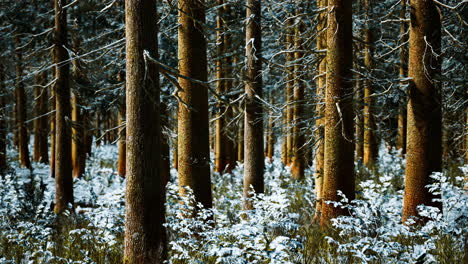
(41, 152)
(401, 136)
(144, 218)
(193, 132)
(78, 139)
(289, 90)
(298, 148)
(320, 108)
(97, 127)
(223, 145)
(240, 140)
(63, 166)
(358, 109)
(121, 161)
(20, 95)
(253, 125)
(339, 148)
(52, 127)
(370, 143)
(3, 131)
(424, 120)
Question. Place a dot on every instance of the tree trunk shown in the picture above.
(223, 145)
(78, 139)
(401, 136)
(358, 109)
(23, 138)
(144, 231)
(339, 148)
(424, 120)
(40, 123)
(121, 161)
(3, 131)
(253, 128)
(52, 126)
(289, 89)
(97, 127)
(240, 140)
(320, 99)
(298, 148)
(370, 143)
(193, 132)
(63, 166)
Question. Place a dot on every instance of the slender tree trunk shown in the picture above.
(52, 127)
(424, 120)
(358, 109)
(41, 152)
(320, 108)
(401, 136)
(63, 166)
(3, 131)
(289, 89)
(121, 161)
(144, 218)
(370, 143)
(165, 155)
(23, 138)
(298, 148)
(78, 138)
(193, 131)
(339, 148)
(253, 130)
(240, 140)
(223, 159)
(97, 127)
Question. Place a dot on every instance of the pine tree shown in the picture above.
(253, 124)
(193, 133)
(144, 218)
(339, 148)
(63, 166)
(424, 111)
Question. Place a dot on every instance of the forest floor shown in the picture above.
(281, 229)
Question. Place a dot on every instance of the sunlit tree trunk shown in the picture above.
(41, 152)
(20, 95)
(223, 145)
(298, 148)
(424, 114)
(78, 140)
(320, 99)
(63, 166)
(401, 136)
(270, 144)
(339, 147)
(370, 142)
(121, 160)
(289, 89)
(144, 218)
(193, 132)
(253, 124)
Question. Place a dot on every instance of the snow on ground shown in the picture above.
(277, 231)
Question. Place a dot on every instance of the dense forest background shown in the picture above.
(233, 131)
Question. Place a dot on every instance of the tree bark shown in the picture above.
(320, 108)
(289, 89)
(401, 136)
(121, 161)
(298, 148)
(370, 142)
(78, 138)
(339, 148)
(41, 152)
(193, 132)
(23, 138)
(424, 114)
(223, 145)
(63, 166)
(144, 218)
(52, 127)
(253, 126)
